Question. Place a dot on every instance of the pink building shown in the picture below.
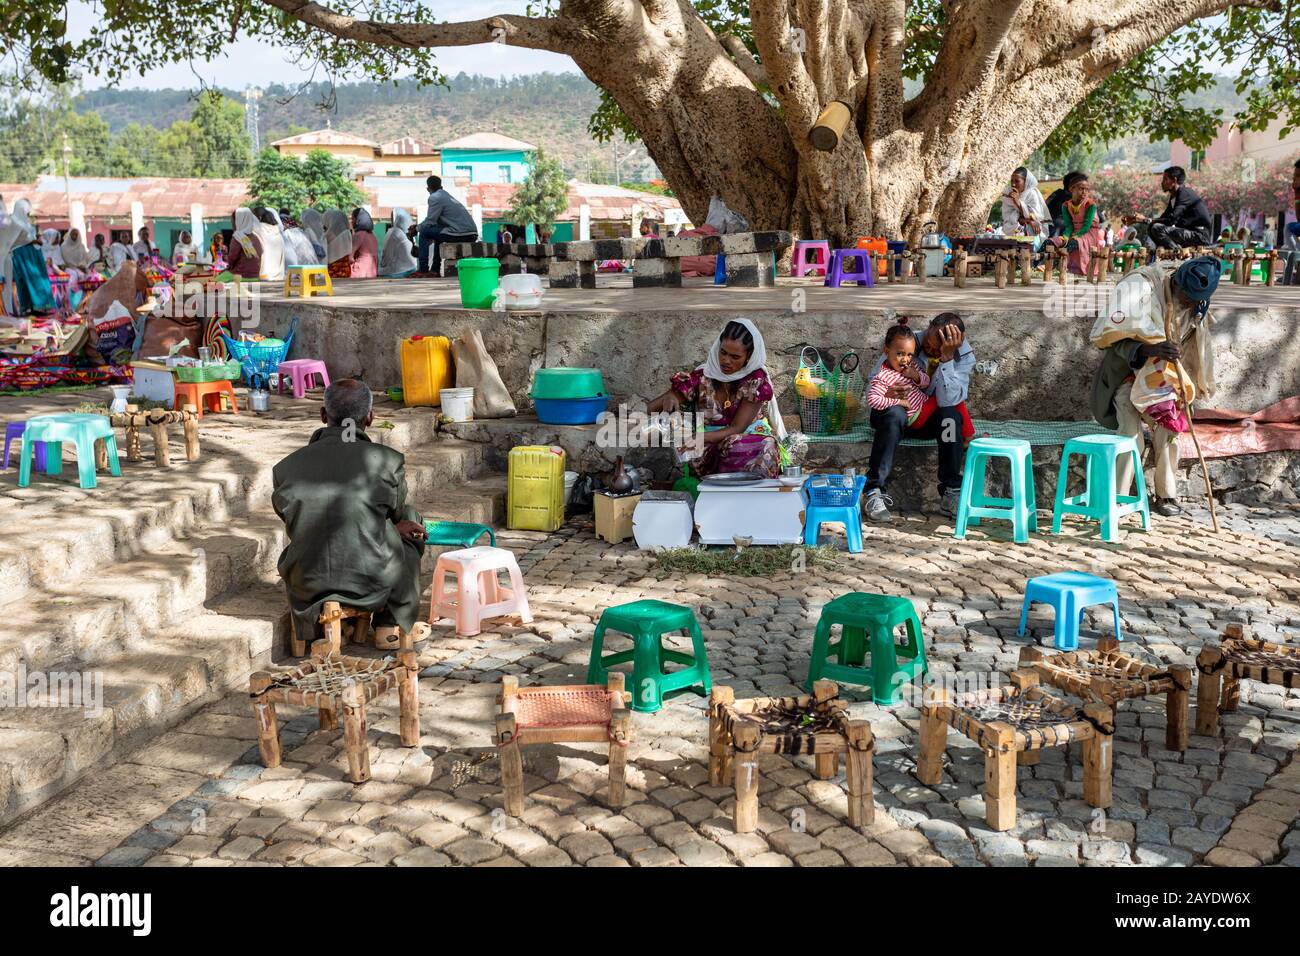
(1232, 144)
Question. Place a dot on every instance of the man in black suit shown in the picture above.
(1185, 221)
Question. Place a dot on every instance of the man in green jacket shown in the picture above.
(352, 536)
(1187, 292)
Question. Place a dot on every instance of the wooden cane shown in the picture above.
(1191, 428)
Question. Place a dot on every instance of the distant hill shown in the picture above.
(548, 109)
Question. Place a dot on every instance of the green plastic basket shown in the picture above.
(225, 371)
(564, 382)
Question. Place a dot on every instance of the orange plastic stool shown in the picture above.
(200, 393)
(479, 594)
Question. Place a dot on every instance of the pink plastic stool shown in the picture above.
(479, 594)
(799, 264)
(301, 370)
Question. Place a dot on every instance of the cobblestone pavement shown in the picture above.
(198, 796)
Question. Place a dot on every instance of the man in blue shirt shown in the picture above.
(446, 221)
(950, 360)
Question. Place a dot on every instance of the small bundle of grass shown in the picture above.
(748, 562)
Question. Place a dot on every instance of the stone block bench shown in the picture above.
(750, 258)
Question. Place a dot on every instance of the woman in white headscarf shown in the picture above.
(298, 250)
(1024, 211)
(268, 230)
(76, 259)
(314, 226)
(26, 276)
(733, 397)
(51, 251)
(396, 259)
(338, 244)
(184, 251)
(244, 258)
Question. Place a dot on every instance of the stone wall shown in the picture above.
(1034, 368)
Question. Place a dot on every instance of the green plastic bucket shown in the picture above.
(561, 382)
(478, 280)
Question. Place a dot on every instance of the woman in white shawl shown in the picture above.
(314, 226)
(76, 259)
(396, 259)
(51, 251)
(297, 247)
(734, 399)
(268, 231)
(184, 251)
(338, 244)
(1024, 211)
(22, 266)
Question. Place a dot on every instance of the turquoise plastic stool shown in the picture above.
(646, 622)
(83, 430)
(863, 618)
(1069, 592)
(456, 534)
(1021, 509)
(834, 498)
(1100, 500)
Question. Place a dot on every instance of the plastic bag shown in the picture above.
(723, 219)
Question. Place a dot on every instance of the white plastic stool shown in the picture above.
(479, 594)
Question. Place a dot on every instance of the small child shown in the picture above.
(899, 371)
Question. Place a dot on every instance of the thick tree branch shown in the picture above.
(788, 76)
(556, 34)
(752, 69)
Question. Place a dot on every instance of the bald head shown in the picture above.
(348, 398)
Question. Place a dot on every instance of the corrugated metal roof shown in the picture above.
(605, 202)
(408, 146)
(326, 137)
(112, 198)
(487, 141)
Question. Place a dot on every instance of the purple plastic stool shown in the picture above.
(300, 372)
(838, 272)
(15, 430)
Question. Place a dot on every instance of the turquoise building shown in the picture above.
(486, 158)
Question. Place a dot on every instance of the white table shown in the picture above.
(767, 511)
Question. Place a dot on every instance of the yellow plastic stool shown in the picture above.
(307, 287)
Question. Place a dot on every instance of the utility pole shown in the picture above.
(67, 185)
(251, 96)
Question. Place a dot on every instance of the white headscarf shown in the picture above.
(50, 250)
(712, 367)
(185, 252)
(396, 257)
(75, 253)
(117, 255)
(314, 226)
(245, 226)
(14, 233)
(338, 236)
(1034, 205)
(272, 267)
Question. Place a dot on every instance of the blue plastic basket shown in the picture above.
(260, 361)
(834, 491)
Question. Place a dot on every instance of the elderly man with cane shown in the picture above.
(1158, 357)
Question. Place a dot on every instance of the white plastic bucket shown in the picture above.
(457, 403)
(570, 479)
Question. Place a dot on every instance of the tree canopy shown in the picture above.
(286, 182)
(543, 196)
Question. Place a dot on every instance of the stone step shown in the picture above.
(136, 694)
(481, 500)
(444, 462)
(104, 611)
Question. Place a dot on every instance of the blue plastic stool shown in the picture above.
(1021, 509)
(83, 431)
(15, 430)
(1069, 592)
(1101, 500)
(720, 270)
(862, 273)
(834, 498)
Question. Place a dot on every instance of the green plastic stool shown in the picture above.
(81, 430)
(646, 622)
(1100, 500)
(863, 618)
(1021, 509)
(456, 534)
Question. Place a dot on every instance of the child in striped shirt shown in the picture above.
(900, 381)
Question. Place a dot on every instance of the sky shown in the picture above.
(260, 64)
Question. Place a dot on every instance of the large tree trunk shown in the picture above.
(720, 123)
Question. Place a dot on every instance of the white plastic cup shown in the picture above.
(570, 479)
(457, 403)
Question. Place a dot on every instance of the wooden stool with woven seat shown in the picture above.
(815, 724)
(1224, 666)
(576, 713)
(1110, 676)
(334, 683)
(1008, 721)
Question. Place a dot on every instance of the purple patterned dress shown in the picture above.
(756, 450)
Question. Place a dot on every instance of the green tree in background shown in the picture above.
(285, 182)
(226, 149)
(543, 196)
(132, 153)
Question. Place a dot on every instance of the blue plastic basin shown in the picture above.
(570, 411)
